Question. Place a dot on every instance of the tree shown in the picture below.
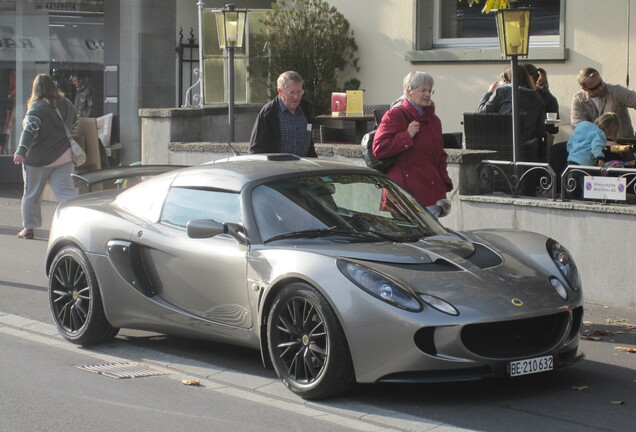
(315, 40)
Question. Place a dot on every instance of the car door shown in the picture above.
(204, 277)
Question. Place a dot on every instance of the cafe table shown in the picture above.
(360, 121)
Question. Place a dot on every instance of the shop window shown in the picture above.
(63, 39)
(457, 32)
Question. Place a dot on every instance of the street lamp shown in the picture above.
(230, 26)
(513, 28)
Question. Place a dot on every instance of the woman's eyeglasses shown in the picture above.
(423, 90)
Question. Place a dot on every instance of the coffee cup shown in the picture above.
(551, 116)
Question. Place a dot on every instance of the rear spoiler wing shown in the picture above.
(86, 180)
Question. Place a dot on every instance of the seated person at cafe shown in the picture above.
(498, 99)
(540, 78)
(284, 124)
(597, 97)
(586, 145)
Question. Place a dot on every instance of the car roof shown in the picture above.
(236, 172)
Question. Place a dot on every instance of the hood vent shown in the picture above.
(484, 257)
(437, 266)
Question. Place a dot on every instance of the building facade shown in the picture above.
(126, 50)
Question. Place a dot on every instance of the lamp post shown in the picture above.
(513, 28)
(230, 25)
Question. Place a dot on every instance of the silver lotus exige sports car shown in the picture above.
(332, 271)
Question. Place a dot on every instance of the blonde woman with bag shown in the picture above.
(45, 150)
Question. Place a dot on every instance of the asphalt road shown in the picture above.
(597, 394)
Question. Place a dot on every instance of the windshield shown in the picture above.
(350, 207)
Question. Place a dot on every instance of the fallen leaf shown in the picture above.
(617, 402)
(588, 322)
(195, 383)
(580, 388)
(629, 350)
(601, 332)
(594, 338)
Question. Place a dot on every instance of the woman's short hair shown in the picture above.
(286, 77)
(417, 79)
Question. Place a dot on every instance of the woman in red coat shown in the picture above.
(413, 133)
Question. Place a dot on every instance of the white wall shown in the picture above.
(187, 19)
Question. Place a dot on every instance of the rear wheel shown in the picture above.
(307, 344)
(75, 300)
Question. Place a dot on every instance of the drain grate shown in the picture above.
(122, 370)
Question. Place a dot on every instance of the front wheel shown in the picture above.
(307, 344)
(75, 300)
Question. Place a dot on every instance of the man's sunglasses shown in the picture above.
(596, 87)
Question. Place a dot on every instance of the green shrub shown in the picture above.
(315, 40)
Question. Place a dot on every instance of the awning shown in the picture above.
(63, 44)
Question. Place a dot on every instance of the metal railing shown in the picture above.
(512, 176)
(570, 184)
(189, 69)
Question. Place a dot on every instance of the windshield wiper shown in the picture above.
(382, 235)
(323, 232)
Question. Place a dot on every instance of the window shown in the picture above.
(183, 205)
(458, 32)
(248, 61)
(360, 208)
(145, 200)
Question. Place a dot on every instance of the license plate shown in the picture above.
(530, 366)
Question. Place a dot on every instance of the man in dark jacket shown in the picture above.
(284, 124)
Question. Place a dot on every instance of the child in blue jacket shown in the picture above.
(585, 146)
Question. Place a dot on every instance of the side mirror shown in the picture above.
(440, 209)
(207, 228)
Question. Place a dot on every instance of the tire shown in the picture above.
(75, 300)
(307, 345)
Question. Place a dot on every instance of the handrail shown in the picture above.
(569, 183)
(495, 167)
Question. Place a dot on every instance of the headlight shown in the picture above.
(565, 263)
(559, 288)
(439, 304)
(379, 286)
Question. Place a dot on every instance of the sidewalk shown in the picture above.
(10, 215)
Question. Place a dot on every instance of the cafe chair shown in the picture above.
(452, 140)
(558, 160)
(378, 111)
(346, 134)
(489, 131)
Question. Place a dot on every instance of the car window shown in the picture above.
(146, 199)
(183, 205)
(355, 203)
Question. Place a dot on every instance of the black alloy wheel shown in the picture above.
(307, 344)
(75, 300)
